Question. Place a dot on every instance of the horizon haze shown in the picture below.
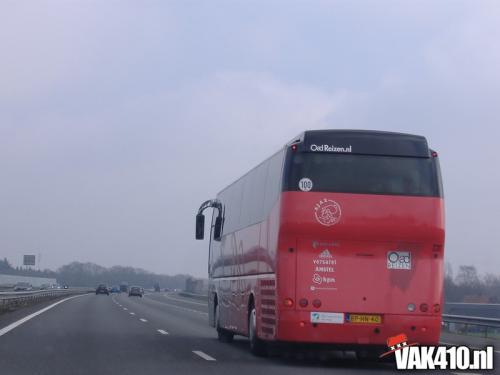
(117, 120)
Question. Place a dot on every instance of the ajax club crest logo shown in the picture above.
(327, 212)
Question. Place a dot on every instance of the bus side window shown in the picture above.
(253, 196)
(273, 182)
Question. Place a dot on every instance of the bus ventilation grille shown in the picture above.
(268, 307)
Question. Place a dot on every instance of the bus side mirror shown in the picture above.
(200, 226)
(218, 228)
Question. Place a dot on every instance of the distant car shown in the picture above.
(65, 287)
(115, 289)
(124, 287)
(167, 289)
(22, 286)
(136, 291)
(44, 286)
(102, 289)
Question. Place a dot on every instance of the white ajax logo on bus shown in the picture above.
(327, 212)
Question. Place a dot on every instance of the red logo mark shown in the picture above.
(397, 342)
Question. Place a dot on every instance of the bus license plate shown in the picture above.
(329, 318)
(364, 319)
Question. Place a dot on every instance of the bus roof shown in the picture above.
(367, 142)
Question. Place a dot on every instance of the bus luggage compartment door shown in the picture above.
(356, 277)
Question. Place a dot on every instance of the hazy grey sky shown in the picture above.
(117, 118)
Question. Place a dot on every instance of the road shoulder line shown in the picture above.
(17, 323)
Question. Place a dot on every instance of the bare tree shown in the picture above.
(467, 277)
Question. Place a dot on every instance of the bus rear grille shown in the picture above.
(268, 308)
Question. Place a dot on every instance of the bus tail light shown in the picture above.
(411, 307)
(437, 308)
(424, 307)
(288, 302)
(317, 303)
(303, 302)
(294, 147)
(302, 324)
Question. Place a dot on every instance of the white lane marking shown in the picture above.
(162, 331)
(143, 320)
(466, 373)
(132, 313)
(125, 309)
(205, 356)
(451, 344)
(11, 326)
(181, 300)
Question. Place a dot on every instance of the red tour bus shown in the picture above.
(336, 239)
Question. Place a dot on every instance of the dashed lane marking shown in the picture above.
(143, 320)
(162, 331)
(205, 356)
(132, 313)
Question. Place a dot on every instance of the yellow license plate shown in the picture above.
(365, 319)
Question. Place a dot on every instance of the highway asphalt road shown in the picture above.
(158, 334)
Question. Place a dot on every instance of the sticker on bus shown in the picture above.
(305, 184)
(399, 260)
(325, 317)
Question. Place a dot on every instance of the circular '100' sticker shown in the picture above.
(305, 184)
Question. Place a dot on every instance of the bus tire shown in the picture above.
(257, 346)
(222, 334)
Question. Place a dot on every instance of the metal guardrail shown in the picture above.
(26, 292)
(467, 321)
(13, 292)
(12, 300)
(203, 297)
(472, 320)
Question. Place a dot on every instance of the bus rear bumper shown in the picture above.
(296, 327)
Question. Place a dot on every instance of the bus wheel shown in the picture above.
(222, 334)
(257, 346)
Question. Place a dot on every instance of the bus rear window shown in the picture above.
(364, 174)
